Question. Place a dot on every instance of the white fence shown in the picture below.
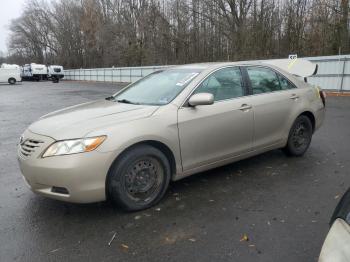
(333, 73)
(112, 74)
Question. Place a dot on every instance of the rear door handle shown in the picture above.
(245, 107)
(294, 97)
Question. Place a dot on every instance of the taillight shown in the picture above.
(323, 96)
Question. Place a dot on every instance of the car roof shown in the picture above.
(213, 65)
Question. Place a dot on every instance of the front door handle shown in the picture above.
(294, 97)
(245, 107)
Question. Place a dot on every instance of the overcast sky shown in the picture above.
(10, 9)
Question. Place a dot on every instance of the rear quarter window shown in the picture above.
(285, 83)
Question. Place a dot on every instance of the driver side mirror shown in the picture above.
(201, 99)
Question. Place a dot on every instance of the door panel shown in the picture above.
(215, 132)
(273, 99)
(272, 117)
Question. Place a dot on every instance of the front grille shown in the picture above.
(29, 146)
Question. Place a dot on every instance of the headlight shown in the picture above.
(74, 146)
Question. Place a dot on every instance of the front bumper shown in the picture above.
(82, 175)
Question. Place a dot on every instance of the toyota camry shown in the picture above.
(168, 125)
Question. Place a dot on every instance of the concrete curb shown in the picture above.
(332, 93)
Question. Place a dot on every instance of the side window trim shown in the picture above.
(244, 80)
(279, 81)
(249, 84)
(243, 83)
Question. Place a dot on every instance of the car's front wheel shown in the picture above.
(139, 178)
(300, 136)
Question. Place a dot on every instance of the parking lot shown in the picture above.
(282, 205)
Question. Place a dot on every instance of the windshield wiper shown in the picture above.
(110, 98)
(126, 101)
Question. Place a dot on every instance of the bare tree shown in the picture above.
(103, 33)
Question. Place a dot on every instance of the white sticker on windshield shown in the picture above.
(187, 79)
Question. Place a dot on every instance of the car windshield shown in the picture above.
(158, 88)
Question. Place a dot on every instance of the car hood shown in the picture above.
(77, 121)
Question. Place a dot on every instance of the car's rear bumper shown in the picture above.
(319, 117)
(82, 175)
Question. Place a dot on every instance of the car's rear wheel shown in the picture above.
(12, 81)
(139, 178)
(300, 136)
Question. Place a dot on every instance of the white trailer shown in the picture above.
(34, 72)
(55, 72)
(10, 75)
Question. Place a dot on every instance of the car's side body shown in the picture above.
(194, 139)
(185, 130)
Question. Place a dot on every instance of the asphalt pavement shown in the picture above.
(266, 208)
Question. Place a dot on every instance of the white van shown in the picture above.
(10, 75)
(55, 72)
(34, 72)
(10, 66)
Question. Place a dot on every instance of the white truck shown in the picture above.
(10, 74)
(55, 72)
(34, 72)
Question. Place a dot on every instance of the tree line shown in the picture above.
(106, 33)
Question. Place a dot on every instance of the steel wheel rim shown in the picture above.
(143, 179)
(301, 136)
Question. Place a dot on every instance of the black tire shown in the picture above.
(12, 81)
(137, 171)
(300, 136)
